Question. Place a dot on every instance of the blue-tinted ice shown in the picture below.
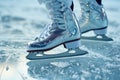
(19, 24)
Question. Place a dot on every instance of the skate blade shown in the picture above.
(67, 54)
(105, 38)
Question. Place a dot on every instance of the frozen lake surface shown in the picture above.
(19, 24)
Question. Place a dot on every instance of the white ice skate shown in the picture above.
(63, 30)
(93, 18)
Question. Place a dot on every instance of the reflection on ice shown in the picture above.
(50, 71)
(73, 69)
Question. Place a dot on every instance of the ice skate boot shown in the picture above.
(63, 30)
(93, 18)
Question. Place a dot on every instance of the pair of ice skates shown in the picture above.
(66, 29)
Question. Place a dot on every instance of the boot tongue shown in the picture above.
(88, 5)
(59, 26)
(51, 29)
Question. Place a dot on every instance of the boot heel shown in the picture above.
(72, 45)
(100, 31)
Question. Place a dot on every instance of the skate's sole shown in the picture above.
(97, 38)
(33, 56)
(94, 29)
(36, 50)
(100, 35)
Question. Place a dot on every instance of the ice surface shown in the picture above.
(20, 21)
